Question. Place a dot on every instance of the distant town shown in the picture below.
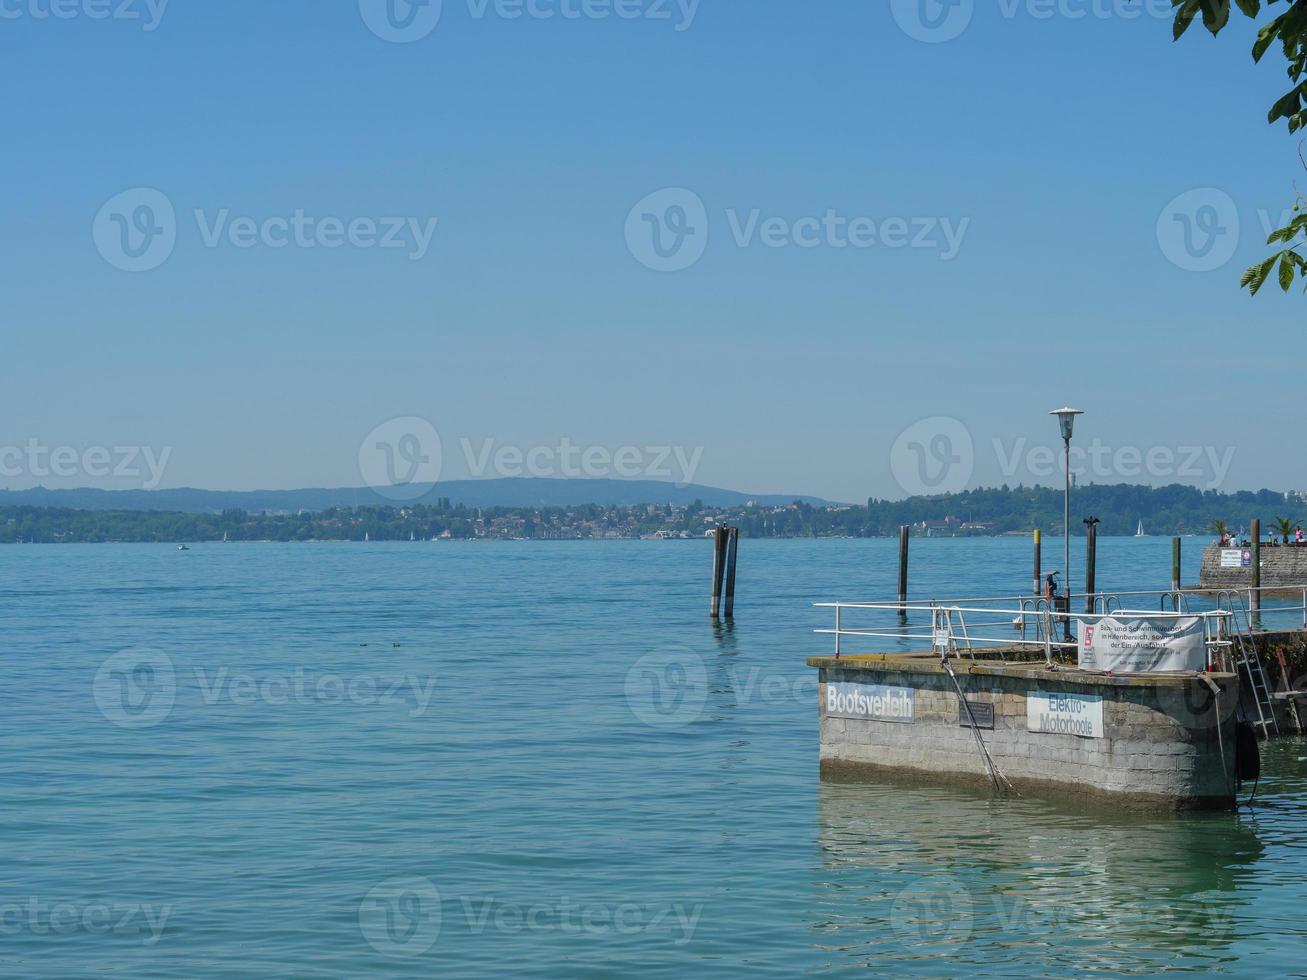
(1122, 509)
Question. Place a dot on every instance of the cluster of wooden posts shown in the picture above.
(726, 541)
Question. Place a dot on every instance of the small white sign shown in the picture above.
(873, 702)
(1065, 714)
(1231, 558)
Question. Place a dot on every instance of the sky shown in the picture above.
(846, 249)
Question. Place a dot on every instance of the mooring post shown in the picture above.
(1175, 564)
(718, 568)
(1255, 593)
(1091, 560)
(904, 533)
(732, 545)
(1039, 583)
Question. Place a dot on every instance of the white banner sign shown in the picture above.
(874, 702)
(1142, 644)
(1065, 714)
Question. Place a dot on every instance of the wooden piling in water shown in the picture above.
(1039, 582)
(732, 547)
(718, 568)
(905, 532)
(1175, 564)
(1091, 561)
(1255, 595)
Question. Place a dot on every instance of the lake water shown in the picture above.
(540, 759)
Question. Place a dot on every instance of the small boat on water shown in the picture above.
(1139, 533)
(183, 547)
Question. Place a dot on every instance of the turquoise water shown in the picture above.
(540, 759)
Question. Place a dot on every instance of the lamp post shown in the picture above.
(1066, 420)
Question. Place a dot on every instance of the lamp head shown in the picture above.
(1066, 420)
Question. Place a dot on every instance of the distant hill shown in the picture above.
(525, 492)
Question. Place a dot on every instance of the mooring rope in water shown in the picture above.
(994, 772)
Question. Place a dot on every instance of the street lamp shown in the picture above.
(1066, 420)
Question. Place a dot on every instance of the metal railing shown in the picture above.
(963, 627)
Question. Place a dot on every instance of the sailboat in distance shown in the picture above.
(1139, 533)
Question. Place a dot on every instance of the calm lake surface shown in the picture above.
(541, 760)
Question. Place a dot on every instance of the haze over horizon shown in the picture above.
(811, 253)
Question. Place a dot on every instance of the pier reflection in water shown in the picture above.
(925, 879)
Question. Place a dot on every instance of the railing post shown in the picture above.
(837, 632)
(1255, 593)
(1039, 587)
(1175, 564)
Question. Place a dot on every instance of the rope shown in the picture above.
(994, 772)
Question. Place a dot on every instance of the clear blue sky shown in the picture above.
(529, 320)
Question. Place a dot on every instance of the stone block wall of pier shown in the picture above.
(1160, 746)
(1281, 566)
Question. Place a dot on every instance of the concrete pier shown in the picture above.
(1142, 741)
(1231, 568)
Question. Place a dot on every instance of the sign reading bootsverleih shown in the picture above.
(1142, 644)
(1065, 714)
(873, 702)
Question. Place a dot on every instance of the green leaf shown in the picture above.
(1184, 17)
(1266, 37)
(1251, 8)
(1286, 105)
(1216, 14)
(1286, 272)
(1256, 275)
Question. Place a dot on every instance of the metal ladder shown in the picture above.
(1247, 660)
